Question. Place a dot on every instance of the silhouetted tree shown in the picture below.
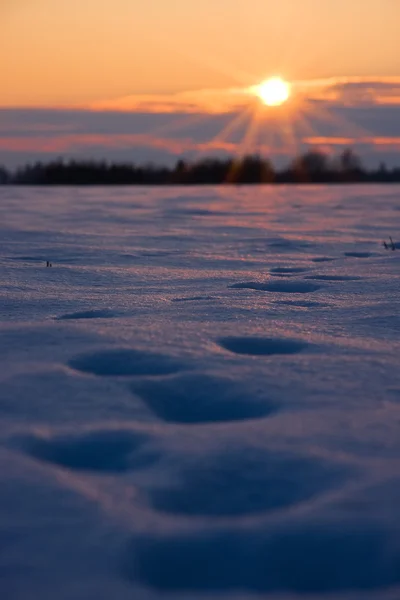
(251, 169)
(350, 165)
(311, 167)
(180, 172)
(349, 161)
(210, 171)
(4, 176)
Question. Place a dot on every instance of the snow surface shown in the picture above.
(201, 398)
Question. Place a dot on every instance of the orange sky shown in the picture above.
(158, 79)
(80, 52)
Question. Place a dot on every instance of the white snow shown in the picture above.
(201, 397)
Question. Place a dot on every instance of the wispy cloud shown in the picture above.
(352, 91)
(198, 101)
(393, 142)
(348, 91)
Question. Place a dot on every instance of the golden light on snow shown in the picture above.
(273, 92)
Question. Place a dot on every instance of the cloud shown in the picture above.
(353, 91)
(348, 141)
(328, 114)
(344, 91)
(198, 101)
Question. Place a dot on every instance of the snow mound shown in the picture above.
(164, 435)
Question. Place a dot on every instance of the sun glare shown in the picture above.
(273, 92)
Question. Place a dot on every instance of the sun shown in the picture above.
(273, 92)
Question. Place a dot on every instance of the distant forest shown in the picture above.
(310, 167)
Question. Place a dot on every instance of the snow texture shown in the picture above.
(201, 397)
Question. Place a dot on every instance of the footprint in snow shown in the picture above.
(243, 481)
(262, 346)
(87, 314)
(125, 362)
(199, 398)
(307, 557)
(286, 287)
(102, 451)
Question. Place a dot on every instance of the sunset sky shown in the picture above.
(154, 80)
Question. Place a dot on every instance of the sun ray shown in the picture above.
(268, 125)
(244, 146)
(265, 133)
(328, 116)
(232, 125)
(180, 123)
(274, 128)
(306, 128)
(288, 132)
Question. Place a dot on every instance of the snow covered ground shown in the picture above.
(201, 398)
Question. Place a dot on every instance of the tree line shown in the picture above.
(310, 167)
